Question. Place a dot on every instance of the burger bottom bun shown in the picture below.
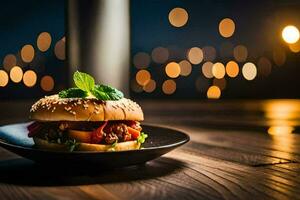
(122, 146)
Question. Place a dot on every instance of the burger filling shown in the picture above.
(108, 132)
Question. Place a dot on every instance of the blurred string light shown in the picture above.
(221, 83)
(207, 69)
(141, 60)
(9, 61)
(3, 78)
(240, 53)
(178, 17)
(290, 34)
(47, 83)
(150, 86)
(16, 74)
(60, 49)
(143, 77)
(209, 53)
(195, 55)
(201, 84)
(226, 27)
(169, 87)
(232, 69)
(218, 70)
(264, 66)
(44, 41)
(27, 53)
(172, 69)
(29, 78)
(295, 47)
(249, 71)
(213, 92)
(185, 68)
(279, 56)
(135, 86)
(160, 55)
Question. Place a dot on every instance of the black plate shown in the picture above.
(160, 140)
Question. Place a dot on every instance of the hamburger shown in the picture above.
(88, 117)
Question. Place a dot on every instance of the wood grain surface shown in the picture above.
(233, 160)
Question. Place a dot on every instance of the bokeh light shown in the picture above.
(29, 78)
(159, 55)
(27, 53)
(295, 47)
(150, 86)
(169, 87)
(195, 55)
(16, 74)
(172, 69)
(9, 61)
(279, 56)
(226, 27)
(141, 60)
(178, 17)
(232, 69)
(249, 71)
(44, 41)
(201, 84)
(209, 53)
(135, 86)
(143, 77)
(240, 53)
(213, 92)
(221, 83)
(185, 68)
(3, 78)
(218, 70)
(47, 83)
(264, 66)
(226, 49)
(207, 69)
(290, 34)
(60, 50)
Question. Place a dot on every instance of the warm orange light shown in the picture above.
(27, 53)
(60, 50)
(3, 78)
(213, 92)
(178, 17)
(226, 27)
(240, 53)
(172, 69)
(44, 41)
(150, 86)
(209, 53)
(160, 55)
(280, 130)
(295, 47)
(141, 60)
(16, 74)
(264, 66)
(135, 86)
(143, 77)
(279, 56)
(169, 87)
(29, 78)
(207, 69)
(185, 68)
(195, 55)
(47, 83)
(218, 70)
(249, 71)
(9, 61)
(232, 69)
(290, 34)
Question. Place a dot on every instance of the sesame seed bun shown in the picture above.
(53, 108)
(122, 146)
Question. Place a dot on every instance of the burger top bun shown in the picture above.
(53, 108)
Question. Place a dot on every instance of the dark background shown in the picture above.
(258, 27)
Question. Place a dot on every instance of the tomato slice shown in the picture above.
(134, 133)
(98, 134)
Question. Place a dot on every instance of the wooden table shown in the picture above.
(231, 155)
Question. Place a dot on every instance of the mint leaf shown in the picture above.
(142, 138)
(99, 94)
(73, 93)
(72, 144)
(84, 81)
(111, 92)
